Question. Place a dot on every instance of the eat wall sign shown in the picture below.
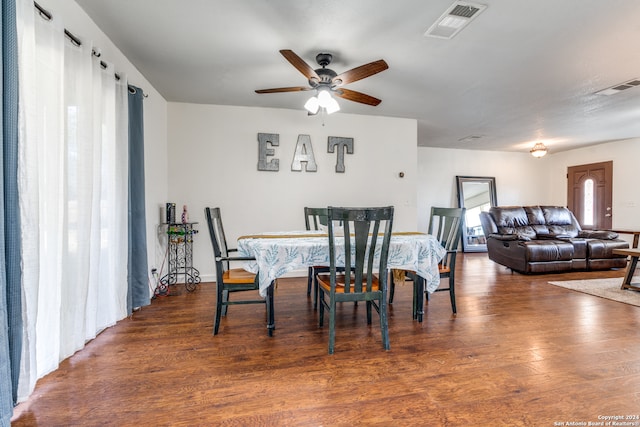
(303, 154)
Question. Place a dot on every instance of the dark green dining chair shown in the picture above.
(233, 280)
(445, 224)
(315, 219)
(358, 244)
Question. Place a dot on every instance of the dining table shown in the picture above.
(282, 252)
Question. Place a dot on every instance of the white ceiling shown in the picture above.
(522, 71)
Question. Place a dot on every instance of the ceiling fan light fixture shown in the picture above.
(538, 150)
(332, 106)
(312, 105)
(322, 100)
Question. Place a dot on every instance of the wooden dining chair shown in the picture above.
(357, 246)
(445, 224)
(315, 219)
(232, 280)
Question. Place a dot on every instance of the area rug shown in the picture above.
(605, 288)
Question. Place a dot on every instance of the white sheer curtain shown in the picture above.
(73, 194)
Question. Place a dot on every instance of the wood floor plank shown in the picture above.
(520, 352)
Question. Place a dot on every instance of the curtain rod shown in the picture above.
(45, 14)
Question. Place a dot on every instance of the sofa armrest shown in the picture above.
(598, 234)
(504, 237)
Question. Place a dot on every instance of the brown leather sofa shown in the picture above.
(543, 239)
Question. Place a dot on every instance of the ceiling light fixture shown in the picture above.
(322, 100)
(538, 150)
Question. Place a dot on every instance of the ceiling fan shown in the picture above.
(328, 81)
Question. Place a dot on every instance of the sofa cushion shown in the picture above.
(560, 221)
(524, 233)
(513, 220)
(509, 216)
(556, 215)
(548, 250)
(579, 248)
(604, 248)
(537, 221)
(535, 216)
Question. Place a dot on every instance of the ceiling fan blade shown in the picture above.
(360, 72)
(300, 64)
(355, 96)
(284, 89)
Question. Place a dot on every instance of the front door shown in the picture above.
(589, 189)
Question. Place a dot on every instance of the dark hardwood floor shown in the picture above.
(520, 352)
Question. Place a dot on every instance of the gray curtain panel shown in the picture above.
(10, 273)
(138, 283)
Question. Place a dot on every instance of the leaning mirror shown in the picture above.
(476, 194)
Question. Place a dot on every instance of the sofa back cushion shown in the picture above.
(531, 222)
(560, 221)
(537, 220)
(513, 220)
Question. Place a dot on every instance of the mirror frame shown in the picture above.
(460, 180)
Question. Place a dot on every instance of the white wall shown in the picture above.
(626, 196)
(78, 23)
(213, 154)
(520, 178)
(524, 180)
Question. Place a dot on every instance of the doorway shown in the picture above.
(589, 194)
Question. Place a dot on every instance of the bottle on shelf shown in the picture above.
(185, 214)
(171, 213)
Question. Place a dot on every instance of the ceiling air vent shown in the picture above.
(470, 138)
(458, 16)
(619, 87)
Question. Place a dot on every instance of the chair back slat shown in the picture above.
(218, 239)
(445, 225)
(315, 217)
(361, 229)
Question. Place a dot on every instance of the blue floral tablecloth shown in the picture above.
(278, 253)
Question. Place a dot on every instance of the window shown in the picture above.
(588, 203)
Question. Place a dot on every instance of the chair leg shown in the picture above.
(419, 284)
(332, 326)
(392, 287)
(368, 312)
(425, 302)
(415, 299)
(316, 291)
(225, 299)
(418, 290)
(309, 280)
(453, 300)
(320, 295)
(452, 294)
(271, 322)
(384, 324)
(216, 323)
